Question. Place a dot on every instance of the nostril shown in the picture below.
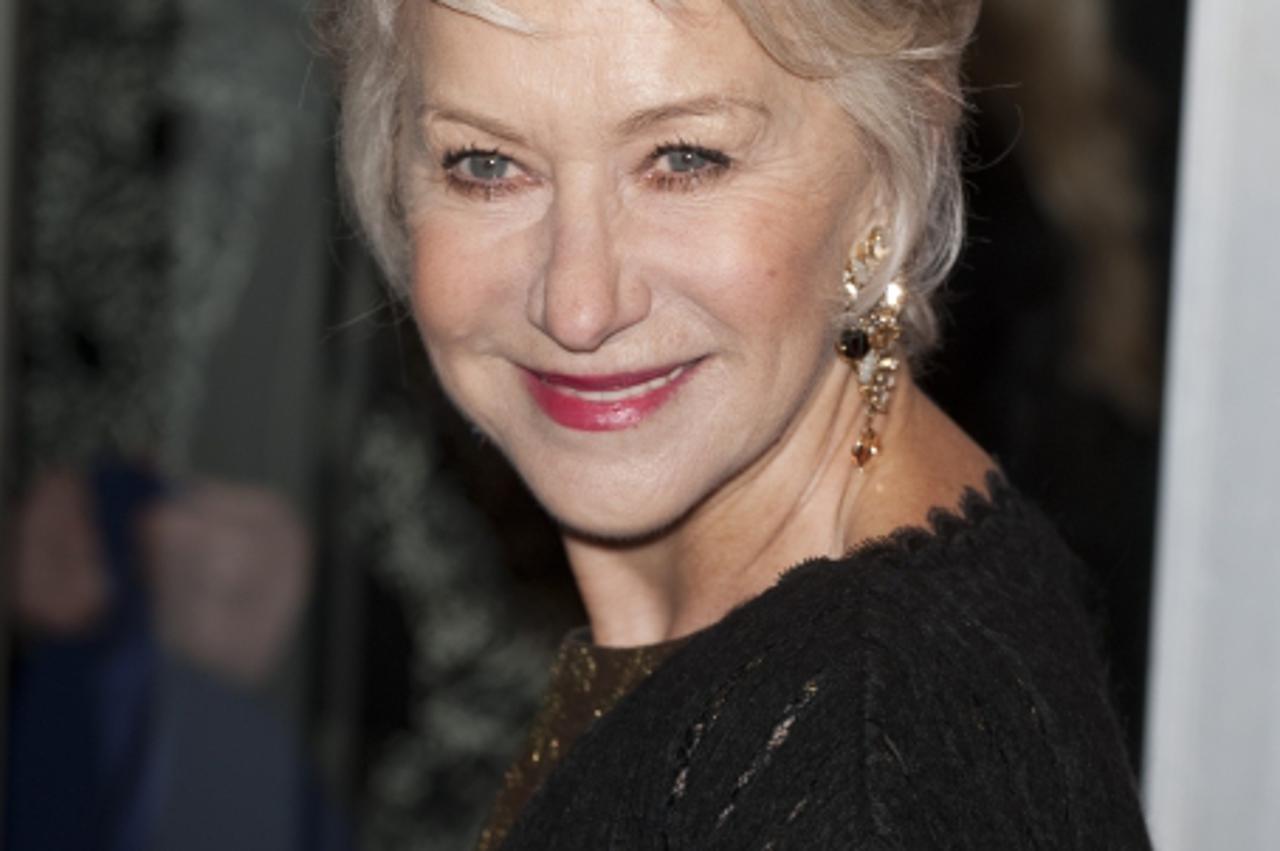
(581, 318)
(580, 295)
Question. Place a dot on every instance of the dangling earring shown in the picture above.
(870, 340)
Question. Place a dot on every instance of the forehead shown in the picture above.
(540, 16)
(593, 54)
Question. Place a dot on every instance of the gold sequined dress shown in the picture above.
(587, 680)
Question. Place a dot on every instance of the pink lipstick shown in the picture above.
(605, 402)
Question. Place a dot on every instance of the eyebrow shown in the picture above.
(692, 107)
(633, 124)
(458, 115)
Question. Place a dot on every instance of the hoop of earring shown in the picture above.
(869, 341)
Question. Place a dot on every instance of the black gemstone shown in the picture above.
(853, 344)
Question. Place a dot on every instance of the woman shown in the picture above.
(673, 259)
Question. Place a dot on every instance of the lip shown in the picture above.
(606, 402)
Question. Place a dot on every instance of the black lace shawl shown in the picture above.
(933, 689)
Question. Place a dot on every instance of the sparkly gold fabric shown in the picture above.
(586, 682)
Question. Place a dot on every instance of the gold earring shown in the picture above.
(869, 340)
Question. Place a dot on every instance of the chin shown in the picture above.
(618, 512)
(616, 531)
(613, 521)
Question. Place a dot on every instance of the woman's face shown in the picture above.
(628, 232)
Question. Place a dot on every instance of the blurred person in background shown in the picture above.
(224, 568)
(172, 170)
(149, 610)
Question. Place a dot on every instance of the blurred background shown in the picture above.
(263, 589)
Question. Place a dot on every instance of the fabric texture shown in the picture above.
(587, 681)
(934, 689)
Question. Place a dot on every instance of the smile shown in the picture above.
(605, 402)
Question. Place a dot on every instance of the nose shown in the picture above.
(585, 296)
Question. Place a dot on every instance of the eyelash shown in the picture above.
(717, 164)
(474, 188)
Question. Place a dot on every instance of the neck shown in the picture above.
(735, 544)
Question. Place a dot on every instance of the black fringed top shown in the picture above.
(934, 689)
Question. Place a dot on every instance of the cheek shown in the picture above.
(764, 275)
(463, 293)
(461, 282)
(791, 283)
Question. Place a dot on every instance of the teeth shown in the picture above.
(626, 392)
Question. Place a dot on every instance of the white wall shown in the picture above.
(1213, 746)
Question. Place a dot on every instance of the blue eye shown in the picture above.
(687, 163)
(686, 160)
(477, 166)
(487, 167)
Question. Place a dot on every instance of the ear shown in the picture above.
(870, 208)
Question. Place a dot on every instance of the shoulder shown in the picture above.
(992, 568)
(934, 685)
(977, 610)
(992, 571)
(947, 681)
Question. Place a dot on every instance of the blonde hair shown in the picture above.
(892, 65)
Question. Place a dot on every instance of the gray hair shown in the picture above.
(892, 65)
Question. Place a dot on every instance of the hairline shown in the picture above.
(491, 12)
